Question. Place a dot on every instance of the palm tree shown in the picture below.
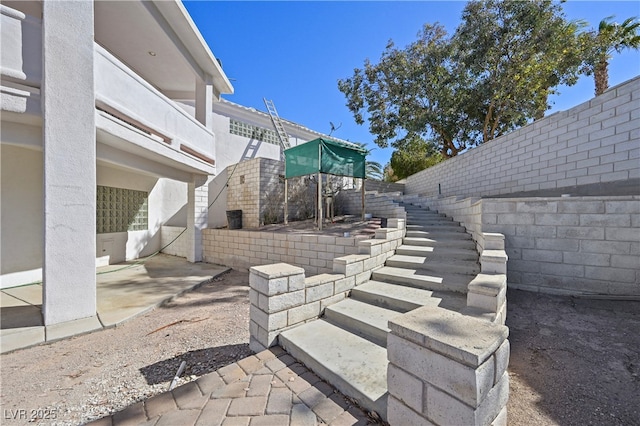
(611, 37)
(373, 169)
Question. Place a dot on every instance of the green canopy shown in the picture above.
(325, 156)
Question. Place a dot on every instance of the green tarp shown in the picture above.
(325, 156)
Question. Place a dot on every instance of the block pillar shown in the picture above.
(278, 301)
(446, 368)
(197, 216)
(69, 153)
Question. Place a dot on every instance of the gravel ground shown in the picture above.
(87, 377)
(573, 361)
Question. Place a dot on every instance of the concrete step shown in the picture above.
(439, 252)
(438, 236)
(355, 366)
(423, 213)
(404, 299)
(435, 267)
(423, 279)
(437, 225)
(451, 229)
(462, 243)
(442, 232)
(362, 319)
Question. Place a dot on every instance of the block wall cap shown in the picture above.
(496, 255)
(276, 270)
(369, 243)
(490, 285)
(493, 236)
(352, 258)
(322, 279)
(468, 340)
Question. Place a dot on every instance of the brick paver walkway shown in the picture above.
(269, 388)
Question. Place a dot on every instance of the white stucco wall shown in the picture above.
(166, 199)
(21, 215)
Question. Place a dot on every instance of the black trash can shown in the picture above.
(234, 217)
(383, 222)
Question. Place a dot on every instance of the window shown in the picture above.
(121, 210)
(253, 132)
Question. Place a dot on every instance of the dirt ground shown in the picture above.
(573, 361)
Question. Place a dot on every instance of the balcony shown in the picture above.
(123, 94)
(123, 98)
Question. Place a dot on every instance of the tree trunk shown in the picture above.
(601, 76)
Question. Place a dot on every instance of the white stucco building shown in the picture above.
(112, 127)
(96, 154)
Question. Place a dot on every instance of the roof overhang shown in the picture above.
(160, 42)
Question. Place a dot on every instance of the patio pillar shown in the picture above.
(69, 157)
(197, 216)
(204, 101)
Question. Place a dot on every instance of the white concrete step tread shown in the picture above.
(437, 252)
(440, 242)
(403, 298)
(363, 319)
(436, 266)
(426, 213)
(438, 223)
(423, 279)
(441, 229)
(355, 366)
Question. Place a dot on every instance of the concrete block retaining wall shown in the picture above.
(564, 245)
(242, 249)
(595, 142)
(282, 296)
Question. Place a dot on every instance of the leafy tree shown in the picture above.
(415, 155)
(610, 37)
(389, 174)
(410, 92)
(493, 75)
(515, 54)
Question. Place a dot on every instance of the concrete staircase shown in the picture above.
(347, 347)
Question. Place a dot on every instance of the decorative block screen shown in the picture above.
(253, 132)
(121, 210)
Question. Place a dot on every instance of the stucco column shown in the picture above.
(204, 102)
(69, 135)
(197, 216)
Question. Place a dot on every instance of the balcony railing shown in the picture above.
(121, 92)
(20, 33)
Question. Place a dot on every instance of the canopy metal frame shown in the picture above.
(340, 159)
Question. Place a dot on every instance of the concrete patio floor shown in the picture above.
(124, 291)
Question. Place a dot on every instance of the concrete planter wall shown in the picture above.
(243, 249)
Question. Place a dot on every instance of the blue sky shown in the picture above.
(294, 52)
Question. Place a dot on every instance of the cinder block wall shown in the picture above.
(565, 245)
(379, 205)
(243, 191)
(595, 142)
(243, 249)
(569, 245)
(175, 240)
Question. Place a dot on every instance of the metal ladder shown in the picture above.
(278, 125)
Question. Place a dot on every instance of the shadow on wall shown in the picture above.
(217, 196)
